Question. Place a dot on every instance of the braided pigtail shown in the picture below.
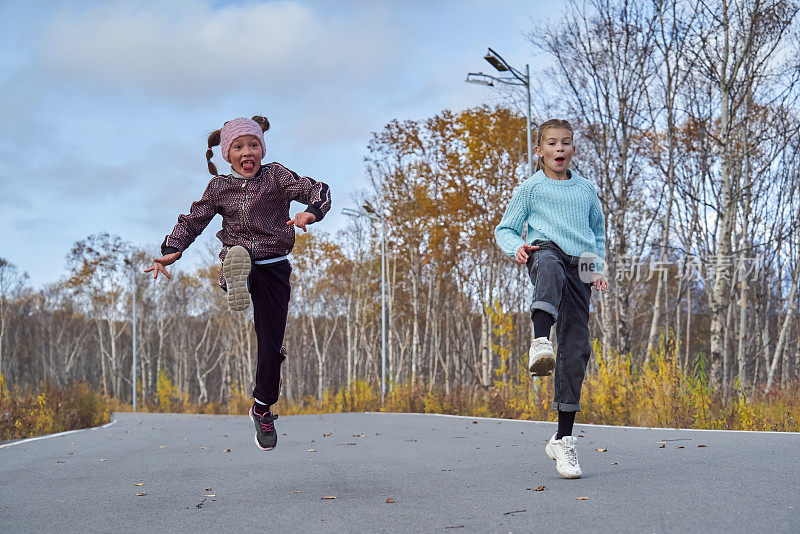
(213, 140)
(262, 121)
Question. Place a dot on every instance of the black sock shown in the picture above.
(565, 422)
(260, 409)
(542, 322)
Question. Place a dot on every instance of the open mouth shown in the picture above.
(560, 160)
(248, 165)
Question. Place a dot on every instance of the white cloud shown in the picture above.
(192, 49)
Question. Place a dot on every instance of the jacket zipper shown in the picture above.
(244, 219)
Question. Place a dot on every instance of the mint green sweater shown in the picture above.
(566, 212)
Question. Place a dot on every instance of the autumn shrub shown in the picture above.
(52, 409)
(616, 392)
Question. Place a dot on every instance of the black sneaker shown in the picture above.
(266, 437)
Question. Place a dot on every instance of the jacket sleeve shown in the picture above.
(598, 225)
(508, 233)
(192, 224)
(317, 195)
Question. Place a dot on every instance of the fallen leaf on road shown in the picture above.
(69, 453)
(161, 446)
(702, 445)
(298, 491)
(312, 450)
(139, 484)
(601, 450)
(328, 498)
(103, 460)
(227, 450)
(60, 461)
(204, 448)
(326, 435)
(662, 446)
(474, 422)
(389, 499)
(581, 498)
(613, 463)
(540, 488)
(141, 494)
(679, 446)
(378, 434)
(359, 435)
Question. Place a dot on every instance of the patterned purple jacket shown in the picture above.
(254, 211)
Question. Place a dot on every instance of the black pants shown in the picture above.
(558, 290)
(270, 290)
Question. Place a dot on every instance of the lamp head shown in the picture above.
(479, 78)
(495, 61)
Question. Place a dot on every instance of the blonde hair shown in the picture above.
(546, 125)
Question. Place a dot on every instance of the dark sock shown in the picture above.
(542, 322)
(565, 422)
(260, 409)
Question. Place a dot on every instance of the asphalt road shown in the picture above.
(202, 473)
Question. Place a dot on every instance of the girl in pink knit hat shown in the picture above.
(257, 236)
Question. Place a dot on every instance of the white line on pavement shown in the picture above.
(589, 424)
(55, 435)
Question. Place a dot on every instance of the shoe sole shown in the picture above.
(553, 457)
(236, 269)
(543, 366)
(255, 438)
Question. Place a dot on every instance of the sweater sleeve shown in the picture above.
(192, 224)
(508, 233)
(598, 225)
(317, 195)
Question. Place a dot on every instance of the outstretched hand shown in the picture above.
(524, 251)
(301, 220)
(599, 283)
(160, 263)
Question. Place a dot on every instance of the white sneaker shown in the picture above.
(236, 268)
(541, 358)
(566, 457)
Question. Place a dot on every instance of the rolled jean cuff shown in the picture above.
(545, 306)
(563, 407)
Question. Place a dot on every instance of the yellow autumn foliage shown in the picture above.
(615, 392)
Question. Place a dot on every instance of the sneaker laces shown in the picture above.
(268, 422)
(571, 455)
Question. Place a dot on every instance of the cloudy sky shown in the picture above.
(106, 106)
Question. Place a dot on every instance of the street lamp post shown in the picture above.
(130, 263)
(371, 213)
(497, 61)
(133, 365)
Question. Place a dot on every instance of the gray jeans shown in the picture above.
(558, 290)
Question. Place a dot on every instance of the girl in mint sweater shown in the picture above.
(565, 256)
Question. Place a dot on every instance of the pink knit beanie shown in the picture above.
(237, 128)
